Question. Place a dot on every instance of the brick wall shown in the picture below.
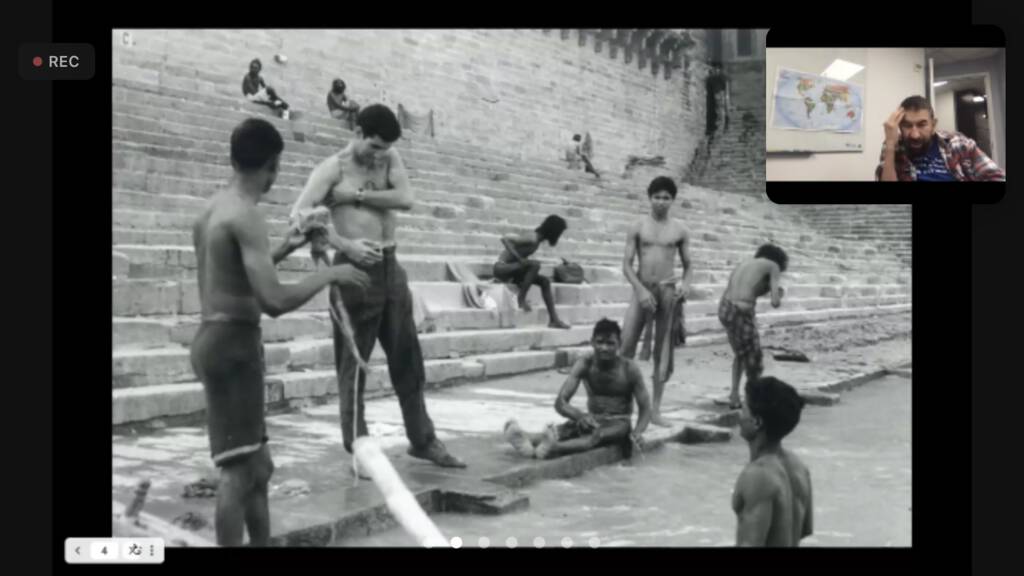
(524, 92)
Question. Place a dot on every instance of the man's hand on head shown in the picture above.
(892, 127)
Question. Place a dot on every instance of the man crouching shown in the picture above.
(612, 383)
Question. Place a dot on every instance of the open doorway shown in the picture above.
(962, 105)
(968, 91)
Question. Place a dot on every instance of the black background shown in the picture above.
(58, 423)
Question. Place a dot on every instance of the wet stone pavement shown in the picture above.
(313, 487)
(858, 453)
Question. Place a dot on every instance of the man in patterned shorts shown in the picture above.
(749, 280)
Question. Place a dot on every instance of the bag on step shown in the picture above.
(569, 273)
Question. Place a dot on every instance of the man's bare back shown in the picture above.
(224, 287)
(800, 483)
(773, 501)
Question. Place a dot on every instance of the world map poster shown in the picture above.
(815, 103)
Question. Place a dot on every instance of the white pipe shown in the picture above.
(399, 499)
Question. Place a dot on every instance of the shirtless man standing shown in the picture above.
(363, 185)
(772, 498)
(736, 311)
(237, 283)
(656, 239)
(612, 384)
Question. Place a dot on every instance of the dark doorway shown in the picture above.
(972, 118)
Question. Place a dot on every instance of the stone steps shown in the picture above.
(426, 215)
(216, 165)
(155, 121)
(225, 147)
(431, 267)
(609, 227)
(470, 230)
(170, 364)
(171, 203)
(231, 104)
(155, 331)
(166, 399)
(198, 163)
(173, 261)
(135, 368)
(442, 242)
(204, 169)
(172, 325)
(127, 129)
(146, 297)
(181, 108)
(429, 200)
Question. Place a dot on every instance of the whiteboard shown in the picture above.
(811, 61)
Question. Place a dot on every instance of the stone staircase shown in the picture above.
(886, 226)
(170, 153)
(735, 159)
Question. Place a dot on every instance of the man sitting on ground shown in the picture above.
(612, 384)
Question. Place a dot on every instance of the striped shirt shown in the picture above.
(966, 162)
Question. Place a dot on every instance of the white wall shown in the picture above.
(945, 110)
(892, 75)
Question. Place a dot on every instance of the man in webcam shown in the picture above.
(914, 151)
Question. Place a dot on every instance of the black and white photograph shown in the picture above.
(500, 288)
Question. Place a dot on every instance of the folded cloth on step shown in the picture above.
(472, 294)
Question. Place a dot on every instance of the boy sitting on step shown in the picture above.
(514, 265)
(612, 383)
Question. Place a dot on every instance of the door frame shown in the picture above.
(989, 107)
